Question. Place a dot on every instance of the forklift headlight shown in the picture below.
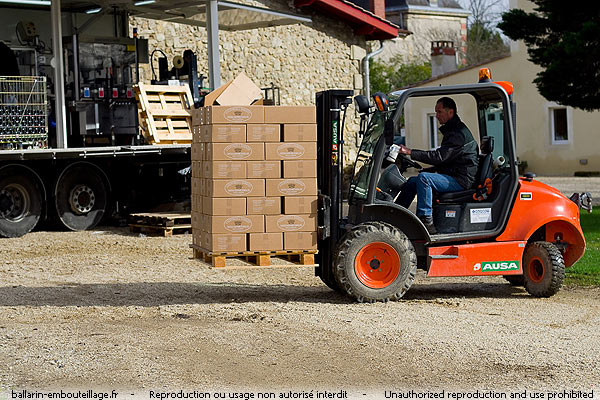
(381, 101)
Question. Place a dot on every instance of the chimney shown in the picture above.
(377, 7)
(443, 57)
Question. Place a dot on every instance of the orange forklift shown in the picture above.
(370, 247)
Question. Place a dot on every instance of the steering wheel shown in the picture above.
(407, 161)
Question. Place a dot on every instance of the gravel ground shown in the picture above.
(110, 309)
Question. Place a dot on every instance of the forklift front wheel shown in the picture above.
(375, 262)
(543, 269)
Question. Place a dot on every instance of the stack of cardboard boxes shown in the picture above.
(254, 178)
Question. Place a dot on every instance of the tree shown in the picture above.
(394, 74)
(484, 44)
(564, 39)
(483, 40)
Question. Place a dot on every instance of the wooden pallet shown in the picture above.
(260, 259)
(164, 113)
(160, 230)
(163, 223)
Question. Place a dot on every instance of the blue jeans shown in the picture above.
(423, 186)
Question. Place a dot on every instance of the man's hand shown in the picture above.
(404, 150)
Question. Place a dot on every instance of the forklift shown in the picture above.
(370, 247)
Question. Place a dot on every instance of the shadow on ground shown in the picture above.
(147, 294)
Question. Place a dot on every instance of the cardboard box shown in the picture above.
(291, 151)
(234, 224)
(300, 240)
(223, 206)
(236, 188)
(263, 169)
(198, 116)
(300, 205)
(300, 169)
(291, 223)
(197, 219)
(263, 132)
(224, 133)
(235, 151)
(197, 134)
(300, 132)
(197, 236)
(224, 242)
(197, 171)
(265, 241)
(291, 187)
(198, 151)
(234, 115)
(238, 91)
(197, 186)
(263, 205)
(290, 115)
(197, 206)
(224, 169)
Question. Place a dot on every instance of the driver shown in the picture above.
(455, 162)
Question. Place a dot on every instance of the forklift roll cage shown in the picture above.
(372, 209)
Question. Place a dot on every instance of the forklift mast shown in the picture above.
(329, 175)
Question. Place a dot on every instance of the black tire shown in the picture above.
(21, 201)
(515, 280)
(375, 261)
(81, 198)
(543, 269)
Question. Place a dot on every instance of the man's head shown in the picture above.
(445, 109)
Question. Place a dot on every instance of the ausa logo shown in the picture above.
(492, 266)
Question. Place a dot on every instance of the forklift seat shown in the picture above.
(482, 187)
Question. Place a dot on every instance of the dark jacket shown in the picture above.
(457, 155)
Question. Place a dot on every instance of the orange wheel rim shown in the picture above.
(377, 265)
(536, 270)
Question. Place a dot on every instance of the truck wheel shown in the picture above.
(21, 193)
(375, 262)
(80, 197)
(543, 269)
(515, 280)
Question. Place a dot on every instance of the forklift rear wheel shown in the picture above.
(375, 261)
(81, 197)
(543, 269)
(515, 280)
(20, 201)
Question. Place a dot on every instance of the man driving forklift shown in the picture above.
(454, 164)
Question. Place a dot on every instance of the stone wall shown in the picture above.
(301, 59)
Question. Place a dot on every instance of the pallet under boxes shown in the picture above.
(259, 259)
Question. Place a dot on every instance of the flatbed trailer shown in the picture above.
(78, 187)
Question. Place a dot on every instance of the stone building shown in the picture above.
(298, 58)
(428, 21)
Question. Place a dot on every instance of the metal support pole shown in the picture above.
(59, 76)
(212, 29)
(365, 63)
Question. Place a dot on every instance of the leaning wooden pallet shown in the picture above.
(164, 113)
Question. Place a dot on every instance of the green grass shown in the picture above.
(586, 271)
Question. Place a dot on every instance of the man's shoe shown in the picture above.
(427, 220)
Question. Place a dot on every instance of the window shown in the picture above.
(435, 136)
(560, 125)
(493, 115)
